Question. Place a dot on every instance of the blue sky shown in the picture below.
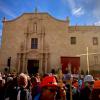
(81, 12)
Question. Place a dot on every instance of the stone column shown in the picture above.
(46, 62)
(24, 63)
(40, 64)
(18, 60)
(21, 63)
(43, 65)
(25, 70)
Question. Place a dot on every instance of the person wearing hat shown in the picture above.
(18, 91)
(49, 89)
(86, 92)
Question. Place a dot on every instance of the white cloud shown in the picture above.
(6, 10)
(97, 23)
(78, 11)
(75, 11)
(75, 8)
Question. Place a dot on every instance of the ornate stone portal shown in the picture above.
(35, 29)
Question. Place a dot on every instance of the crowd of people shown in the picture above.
(46, 87)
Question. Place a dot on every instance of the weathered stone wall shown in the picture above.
(57, 39)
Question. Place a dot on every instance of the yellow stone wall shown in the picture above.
(57, 39)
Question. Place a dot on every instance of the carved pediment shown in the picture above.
(33, 53)
(36, 53)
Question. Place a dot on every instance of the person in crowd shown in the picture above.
(8, 88)
(35, 87)
(96, 94)
(50, 89)
(23, 92)
(1, 88)
(16, 89)
(71, 92)
(38, 79)
(86, 92)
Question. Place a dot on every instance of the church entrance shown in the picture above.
(33, 66)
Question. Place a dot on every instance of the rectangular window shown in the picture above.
(73, 40)
(95, 40)
(34, 43)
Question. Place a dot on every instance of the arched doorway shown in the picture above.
(33, 66)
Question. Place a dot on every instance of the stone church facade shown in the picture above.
(37, 42)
